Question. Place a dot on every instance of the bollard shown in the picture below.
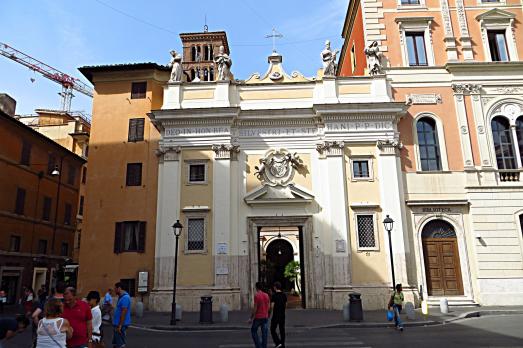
(224, 313)
(444, 306)
(424, 307)
(138, 309)
(178, 313)
(409, 309)
(346, 315)
(206, 310)
(355, 307)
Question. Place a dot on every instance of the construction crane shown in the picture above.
(67, 82)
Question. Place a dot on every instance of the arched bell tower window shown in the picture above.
(429, 149)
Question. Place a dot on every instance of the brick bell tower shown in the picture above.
(198, 53)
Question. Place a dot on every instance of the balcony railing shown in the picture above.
(509, 175)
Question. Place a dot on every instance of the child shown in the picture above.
(93, 298)
(396, 303)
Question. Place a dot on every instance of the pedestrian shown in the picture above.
(53, 330)
(93, 299)
(42, 296)
(107, 305)
(78, 313)
(122, 316)
(3, 300)
(260, 316)
(9, 327)
(38, 310)
(278, 304)
(29, 299)
(396, 303)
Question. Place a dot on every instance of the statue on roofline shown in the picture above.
(223, 65)
(329, 60)
(374, 59)
(176, 67)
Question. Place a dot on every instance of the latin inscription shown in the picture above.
(437, 210)
(196, 131)
(277, 132)
(358, 126)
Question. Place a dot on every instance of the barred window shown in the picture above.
(366, 231)
(197, 173)
(195, 234)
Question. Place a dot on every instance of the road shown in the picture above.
(491, 331)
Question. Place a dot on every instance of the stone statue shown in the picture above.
(176, 67)
(374, 59)
(329, 60)
(223, 65)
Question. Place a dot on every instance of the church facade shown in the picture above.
(277, 169)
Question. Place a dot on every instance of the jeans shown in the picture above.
(397, 318)
(256, 323)
(278, 322)
(119, 337)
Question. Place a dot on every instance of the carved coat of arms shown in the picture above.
(277, 167)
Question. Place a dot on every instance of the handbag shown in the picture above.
(390, 315)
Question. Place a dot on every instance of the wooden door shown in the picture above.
(442, 266)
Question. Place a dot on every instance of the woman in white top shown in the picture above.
(53, 331)
(93, 298)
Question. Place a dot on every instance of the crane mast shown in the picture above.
(67, 82)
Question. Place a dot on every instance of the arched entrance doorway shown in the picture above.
(441, 255)
(279, 254)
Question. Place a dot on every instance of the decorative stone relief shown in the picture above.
(224, 151)
(481, 130)
(509, 90)
(413, 99)
(389, 147)
(277, 167)
(330, 148)
(447, 23)
(462, 18)
(464, 130)
(169, 153)
(462, 88)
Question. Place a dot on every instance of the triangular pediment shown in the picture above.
(494, 14)
(279, 194)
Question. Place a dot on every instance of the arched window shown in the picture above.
(519, 134)
(193, 53)
(438, 229)
(205, 74)
(503, 145)
(193, 74)
(206, 53)
(211, 74)
(429, 151)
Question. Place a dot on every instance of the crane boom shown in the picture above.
(67, 82)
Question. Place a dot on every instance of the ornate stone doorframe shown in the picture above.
(313, 283)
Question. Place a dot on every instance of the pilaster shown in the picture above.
(465, 39)
(481, 128)
(459, 99)
(449, 39)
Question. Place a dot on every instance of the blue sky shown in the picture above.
(70, 34)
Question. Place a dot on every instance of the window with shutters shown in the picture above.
(129, 237)
(138, 90)
(46, 209)
(129, 285)
(14, 243)
(42, 246)
(67, 214)
(71, 174)
(134, 174)
(196, 172)
(20, 201)
(25, 157)
(64, 249)
(195, 241)
(136, 126)
(366, 231)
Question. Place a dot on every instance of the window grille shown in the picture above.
(196, 173)
(365, 225)
(196, 234)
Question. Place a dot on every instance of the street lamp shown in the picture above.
(388, 223)
(57, 172)
(177, 229)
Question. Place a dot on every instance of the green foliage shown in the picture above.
(292, 272)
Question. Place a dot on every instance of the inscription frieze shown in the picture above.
(196, 131)
(358, 126)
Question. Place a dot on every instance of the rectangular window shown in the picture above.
(136, 126)
(134, 174)
(129, 285)
(498, 45)
(129, 237)
(51, 163)
(84, 175)
(360, 169)
(42, 246)
(416, 48)
(71, 174)
(197, 173)
(25, 157)
(196, 234)
(353, 57)
(410, 2)
(138, 90)
(81, 206)
(64, 249)
(20, 201)
(366, 232)
(46, 210)
(14, 243)
(67, 214)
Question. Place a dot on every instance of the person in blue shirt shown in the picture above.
(107, 305)
(122, 316)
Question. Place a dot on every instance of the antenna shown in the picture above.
(205, 27)
(275, 35)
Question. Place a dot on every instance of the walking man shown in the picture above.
(107, 305)
(78, 313)
(278, 304)
(122, 316)
(396, 303)
(260, 316)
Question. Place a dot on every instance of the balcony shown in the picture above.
(509, 175)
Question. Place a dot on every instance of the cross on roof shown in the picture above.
(275, 35)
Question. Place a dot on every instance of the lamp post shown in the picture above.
(388, 223)
(177, 229)
(58, 173)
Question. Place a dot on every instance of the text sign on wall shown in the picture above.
(350, 126)
(196, 131)
(277, 132)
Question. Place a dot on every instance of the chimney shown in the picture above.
(7, 104)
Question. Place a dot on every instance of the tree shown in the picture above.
(292, 272)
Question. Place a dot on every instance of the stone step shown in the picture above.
(454, 301)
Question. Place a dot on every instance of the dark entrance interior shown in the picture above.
(277, 248)
(10, 284)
